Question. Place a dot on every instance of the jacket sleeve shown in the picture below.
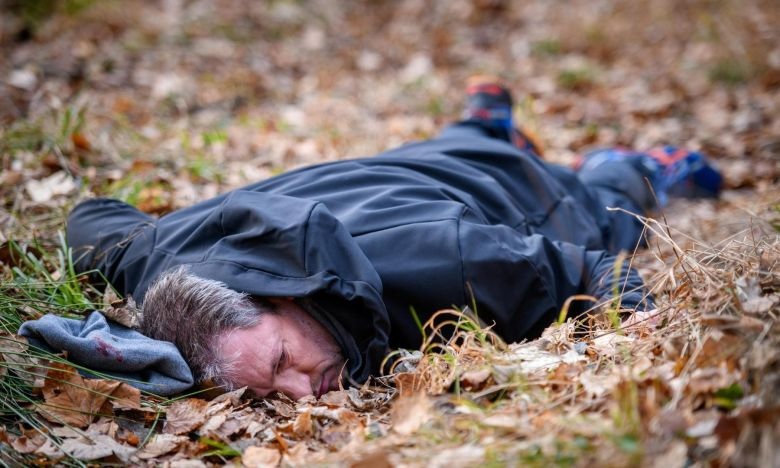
(106, 236)
(521, 282)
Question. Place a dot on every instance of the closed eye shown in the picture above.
(282, 361)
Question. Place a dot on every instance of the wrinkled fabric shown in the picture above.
(113, 349)
(458, 220)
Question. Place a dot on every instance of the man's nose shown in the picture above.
(295, 384)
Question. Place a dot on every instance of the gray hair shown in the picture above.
(194, 313)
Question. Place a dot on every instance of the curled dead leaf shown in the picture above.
(161, 444)
(122, 311)
(335, 399)
(303, 425)
(185, 415)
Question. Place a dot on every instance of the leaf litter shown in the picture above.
(167, 104)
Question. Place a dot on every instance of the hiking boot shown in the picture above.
(489, 102)
(671, 171)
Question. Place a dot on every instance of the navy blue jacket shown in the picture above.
(430, 225)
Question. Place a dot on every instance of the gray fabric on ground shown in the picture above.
(109, 348)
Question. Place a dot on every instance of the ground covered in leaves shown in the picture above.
(162, 103)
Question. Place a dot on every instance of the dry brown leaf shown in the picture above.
(377, 459)
(296, 456)
(14, 351)
(303, 425)
(49, 449)
(126, 397)
(409, 383)
(80, 141)
(161, 444)
(185, 415)
(335, 398)
(284, 409)
(411, 412)
(28, 442)
(237, 421)
(105, 426)
(213, 423)
(72, 399)
(475, 380)
(260, 457)
(122, 311)
(597, 385)
(234, 397)
(96, 446)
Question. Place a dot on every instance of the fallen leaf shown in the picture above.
(49, 449)
(284, 409)
(410, 412)
(122, 311)
(296, 456)
(96, 446)
(303, 424)
(105, 426)
(161, 444)
(335, 398)
(185, 415)
(28, 442)
(376, 459)
(257, 457)
(187, 464)
(675, 455)
(126, 397)
(596, 385)
(474, 380)
(408, 383)
(80, 141)
(213, 423)
(14, 351)
(42, 191)
(759, 305)
(234, 397)
(72, 399)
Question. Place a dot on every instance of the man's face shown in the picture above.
(288, 351)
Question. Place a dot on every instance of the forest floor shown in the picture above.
(164, 103)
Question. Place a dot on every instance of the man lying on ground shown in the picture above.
(298, 281)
